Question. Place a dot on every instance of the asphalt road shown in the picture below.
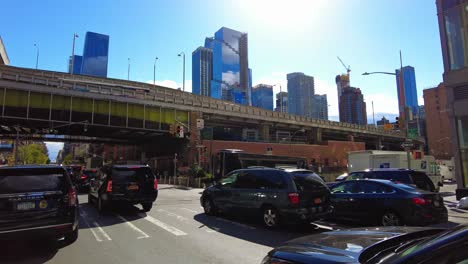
(174, 231)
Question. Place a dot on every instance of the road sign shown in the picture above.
(200, 123)
(412, 133)
(407, 144)
(388, 126)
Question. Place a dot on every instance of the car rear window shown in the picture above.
(396, 176)
(129, 174)
(270, 179)
(90, 174)
(422, 181)
(18, 181)
(308, 183)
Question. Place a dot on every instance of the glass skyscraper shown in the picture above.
(77, 61)
(301, 92)
(202, 71)
(262, 96)
(410, 97)
(95, 55)
(352, 106)
(320, 107)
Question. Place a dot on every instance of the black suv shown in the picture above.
(82, 182)
(37, 201)
(410, 177)
(274, 195)
(134, 184)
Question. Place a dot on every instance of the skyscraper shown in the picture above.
(300, 94)
(95, 55)
(410, 97)
(77, 61)
(230, 66)
(262, 96)
(352, 106)
(320, 107)
(202, 71)
(281, 102)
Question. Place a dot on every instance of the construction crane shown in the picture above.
(348, 69)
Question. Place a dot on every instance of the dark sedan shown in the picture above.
(377, 245)
(386, 203)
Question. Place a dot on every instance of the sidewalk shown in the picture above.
(456, 215)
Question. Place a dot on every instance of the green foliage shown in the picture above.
(33, 154)
(196, 171)
(68, 159)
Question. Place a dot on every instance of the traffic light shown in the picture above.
(398, 122)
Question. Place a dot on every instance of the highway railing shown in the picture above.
(144, 91)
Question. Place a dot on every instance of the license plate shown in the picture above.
(133, 187)
(25, 206)
(317, 201)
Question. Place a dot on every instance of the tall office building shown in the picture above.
(341, 81)
(301, 92)
(202, 71)
(76, 60)
(320, 107)
(95, 55)
(231, 74)
(281, 102)
(262, 96)
(352, 106)
(407, 95)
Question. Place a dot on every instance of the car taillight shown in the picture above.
(109, 186)
(293, 198)
(419, 201)
(72, 197)
(83, 177)
(155, 186)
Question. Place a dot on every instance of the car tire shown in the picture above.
(390, 218)
(270, 217)
(100, 205)
(71, 237)
(208, 207)
(147, 206)
(90, 199)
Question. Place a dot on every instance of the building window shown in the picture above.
(462, 124)
(456, 33)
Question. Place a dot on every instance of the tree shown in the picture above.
(32, 154)
(68, 159)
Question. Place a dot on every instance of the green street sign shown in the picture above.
(412, 133)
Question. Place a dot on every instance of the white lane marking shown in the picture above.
(132, 226)
(236, 223)
(98, 239)
(162, 225)
(185, 220)
(190, 210)
(106, 236)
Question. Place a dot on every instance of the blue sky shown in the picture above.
(284, 36)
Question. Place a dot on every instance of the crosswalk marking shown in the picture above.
(162, 225)
(99, 228)
(98, 239)
(189, 210)
(184, 220)
(132, 226)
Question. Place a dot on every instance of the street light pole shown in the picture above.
(183, 70)
(291, 137)
(37, 55)
(154, 71)
(128, 70)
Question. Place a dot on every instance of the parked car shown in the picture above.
(37, 201)
(273, 195)
(131, 184)
(411, 177)
(304, 173)
(385, 245)
(342, 177)
(74, 172)
(82, 182)
(386, 203)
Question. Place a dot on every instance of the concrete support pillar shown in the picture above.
(378, 143)
(314, 135)
(195, 138)
(264, 132)
(351, 137)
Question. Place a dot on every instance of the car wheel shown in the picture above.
(71, 237)
(90, 199)
(208, 206)
(147, 206)
(390, 218)
(271, 218)
(100, 205)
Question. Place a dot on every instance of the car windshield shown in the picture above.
(31, 180)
